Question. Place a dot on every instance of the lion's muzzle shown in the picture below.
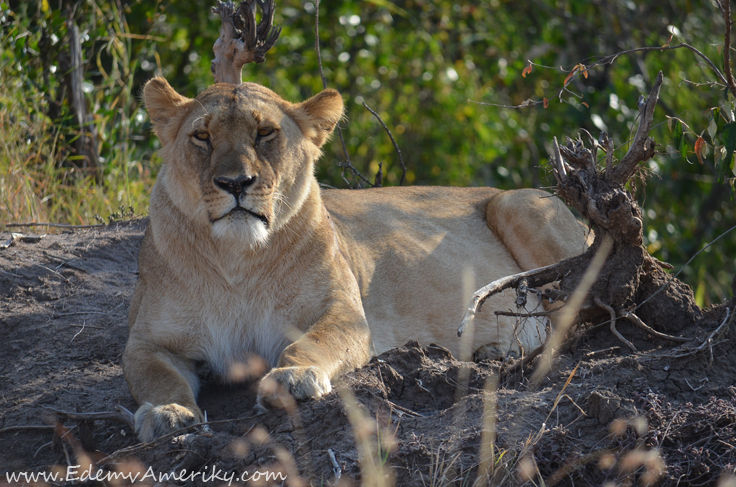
(235, 187)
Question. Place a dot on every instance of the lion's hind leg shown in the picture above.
(536, 227)
(538, 230)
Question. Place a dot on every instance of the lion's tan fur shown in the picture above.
(312, 281)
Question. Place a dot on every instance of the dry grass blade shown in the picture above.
(561, 393)
(374, 471)
(569, 312)
(487, 455)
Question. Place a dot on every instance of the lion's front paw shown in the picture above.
(152, 422)
(280, 386)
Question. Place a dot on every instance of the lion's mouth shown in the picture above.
(240, 209)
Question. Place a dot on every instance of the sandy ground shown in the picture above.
(664, 416)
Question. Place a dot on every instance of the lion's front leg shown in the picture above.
(337, 343)
(164, 385)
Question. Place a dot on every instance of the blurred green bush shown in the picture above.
(418, 63)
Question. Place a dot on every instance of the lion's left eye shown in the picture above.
(264, 132)
(203, 136)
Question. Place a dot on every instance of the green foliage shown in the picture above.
(415, 62)
(728, 135)
(37, 125)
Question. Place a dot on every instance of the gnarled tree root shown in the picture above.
(630, 277)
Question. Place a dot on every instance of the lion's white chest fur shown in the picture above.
(235, 323)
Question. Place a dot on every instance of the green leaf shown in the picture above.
(728, 136)
(712, 129)
(678, 135)
(718, 153)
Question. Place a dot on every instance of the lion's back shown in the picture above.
(418, 254)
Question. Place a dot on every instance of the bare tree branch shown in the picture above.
(535, 278)
(391, 136)
(642, 148)
(612, 313)
(643, 326)
(608, 60)
(53, 225)
(726, 10)
(241, 41)
(348, 163)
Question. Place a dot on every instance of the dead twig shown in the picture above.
(63, 262)
(643, 326)
(642, 148)
(726, 10)
(607, 145)
(54, 225)
(316, 45)
(405, 410)
(120, 414)
(552, 312)
(520, 364)
(607, 60)
(348, 163)
(45, 445)
(143, 446)
(86, 326)
(685, 351)
(612, 312)
(535, 278)
(396, 146)
(596, 353)
(241, 41)
(72, 313)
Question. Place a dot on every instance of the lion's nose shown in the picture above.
(236, 186)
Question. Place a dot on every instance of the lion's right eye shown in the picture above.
(203, 136)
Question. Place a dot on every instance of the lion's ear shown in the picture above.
(318, 116)
(163, 104)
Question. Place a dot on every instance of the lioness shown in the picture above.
(245, 255)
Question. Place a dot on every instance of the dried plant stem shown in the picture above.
(726, 9)
(241, 41)
(574, 304)
(120, 414)
(348, 163)
(612, 312)
(609, 60)
(53, 225)
(535, 278)
(396, 146)
(643, 326)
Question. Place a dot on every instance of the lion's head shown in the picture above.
(239, 159)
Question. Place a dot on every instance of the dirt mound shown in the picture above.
(414, 415)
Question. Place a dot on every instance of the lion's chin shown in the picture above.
(240, 230)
